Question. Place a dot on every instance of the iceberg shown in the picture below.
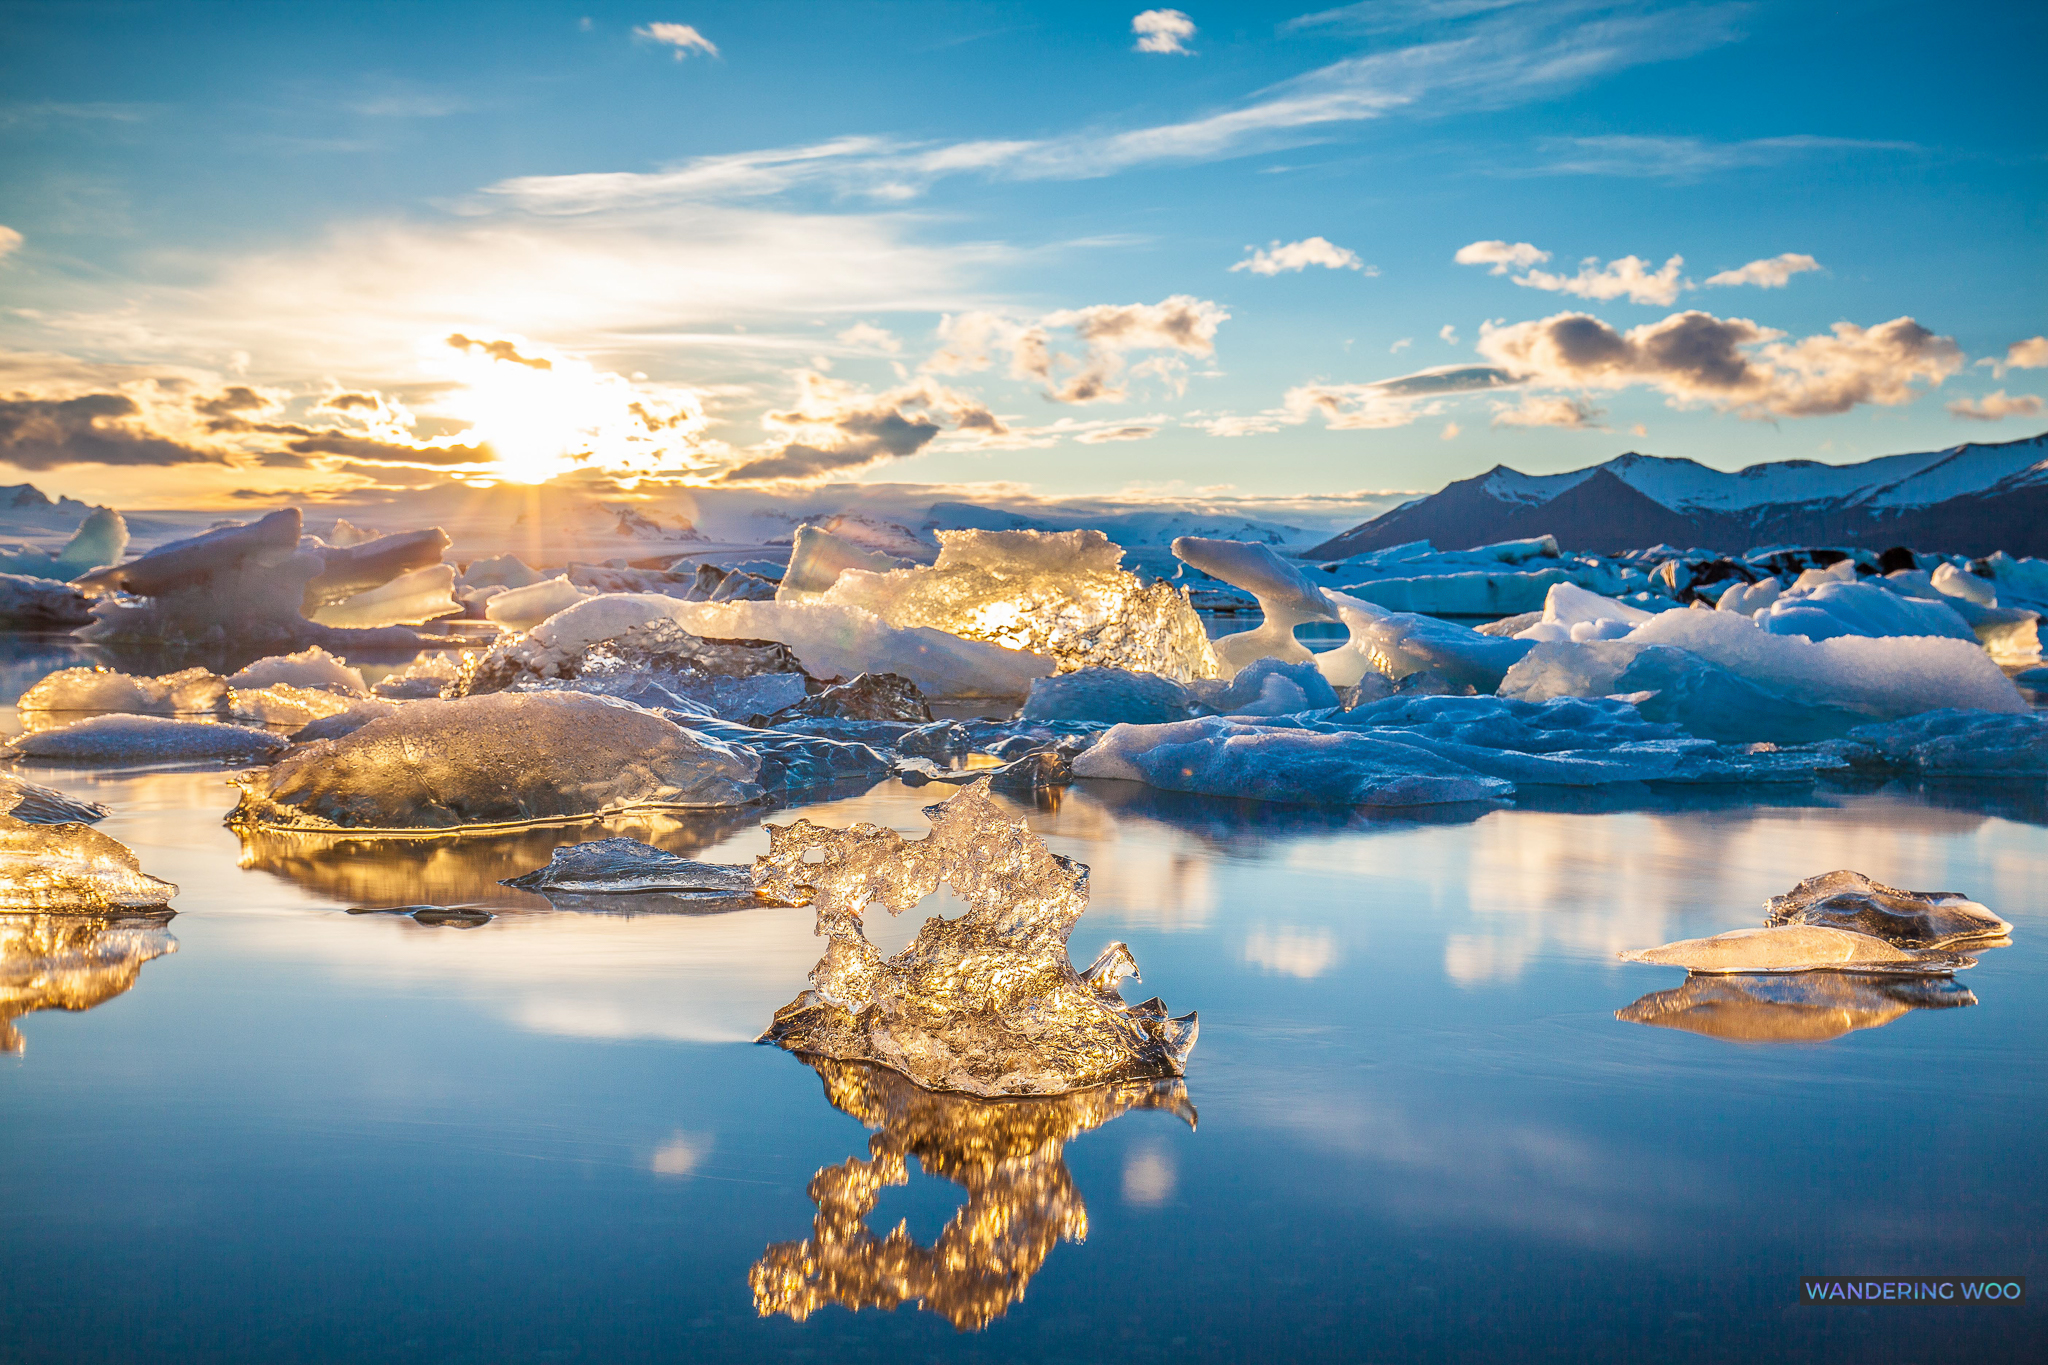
(28, 603)
(102, 538)
(117, 741)
(1797, 948)
(1009, 1157)
(411, 599)
(1572, 613)
(1268, 687)
(1813, 1007)
(1466, 593)
(313, 667)
(497, 761)
(988, 1003)
(1062, 595)
(500, 571)
(526, 607)
(73, 869)
(1904, 919)
(1952, 743)
(1398, 644)
(817, 558)
(1286, 598)
(70, 962)
(624, 867)
(1108, 695)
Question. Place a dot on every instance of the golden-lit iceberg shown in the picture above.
(1009, 1155)
(72, 869)
(67, 962)
(988, 1003)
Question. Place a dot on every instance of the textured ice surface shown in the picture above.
(1834, 608)
(503, 571)
(619, 867)
(817, 558)
(192, 691)
(72, 869)
(1811, 1007)
(988, 1003)
(793, 761)
(871, 696)
(1286, 596)
(1063, 595)
(69, 962)
(524, 608)
(1397, 644)
(313, 667)
(1468, 593)
(504, 759)
(1009, 1157)
(285, 705)
(1904, 919)
(1110, 695)
(40, 805)
(31, 603)
(1268, 687)
(1797, 948)
(1675, 686)
(413, 598)
(358, 714)
(1572, 613)
(433, 674)
(1953, 744)
(143, 741)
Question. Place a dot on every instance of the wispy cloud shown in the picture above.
(1163, 30)
(2031, 354)
(1181, 325)
(1774, 272)
(1629, 277)
(10, 241)
(1298, 256)
(681, 38)
(1686, 158)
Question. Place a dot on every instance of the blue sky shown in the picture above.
(992, 245)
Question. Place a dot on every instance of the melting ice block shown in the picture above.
(620, 867)
(988, 1003)
(494, 761)
(70, 962)
(817, 558)
(1833, 609)
(1111, 695)
(284, 704)
(1812, 1007)
(1397, 644)
(313, 667)
(142, 741)
(526, 607)
(1008, 1155)
(40, 805)
(73, 869)
(1904, 919)
(101, 538)
(1797, 948)
(411, 599)
(192, 691)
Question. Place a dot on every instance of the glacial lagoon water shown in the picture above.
(1414, 1127)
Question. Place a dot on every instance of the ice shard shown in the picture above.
(436, 767)
(989, 1003)
(69, 962)
(1798, 948)
(40, 805)
(1811, 1007)
(1009, 1156)
(1904, 919)
(73, 869)
(620, 867)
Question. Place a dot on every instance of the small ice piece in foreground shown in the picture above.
(74, 870)
(192, 691)
(1797, 948)
(143, 741)
(499, 760)
(40, 805)
(622, 867)
(1008, 1155)
(1904, 919)
(313, 667)
(1809, 1008)
(70, 962)
(988, 1003)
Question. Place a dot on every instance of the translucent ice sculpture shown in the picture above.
(1397, 644)
(988, 1003)
(1064, 595)
(72, 869)
(1009, 1156)
(1285, 594)
(69, 962)
(143, 741)
(1797, 948)
(817, 558)
(435, 767)
(1812, 1007)
(411, 599)
(1904, 919)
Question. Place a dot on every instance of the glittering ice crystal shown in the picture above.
(988, 1003)
(72, 869)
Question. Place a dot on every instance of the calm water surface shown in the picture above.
(1414, 1127)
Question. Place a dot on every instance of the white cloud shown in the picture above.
(1732, 364)
(1387, 403)
(1117, 433)
(1163, 30)
(1450, 431)
(1180, 325)
(1772, 273)
(1300, 256)
(1501, 256)
(866, 336)
(682, 37)
(1629, 276)
(10, 241)
(835, 428)
(1449, 333)
(2031, 354)
(1537, 410)
(1403, 344)
(1689, 158)
(1996, 407)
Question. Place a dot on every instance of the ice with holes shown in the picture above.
(1287, 598)
(1397, 645)
(119, 741)
(1063, 595)
(1904, 919)
(492, 761)
(73, 869)
(988, 1003)
(1798, 948)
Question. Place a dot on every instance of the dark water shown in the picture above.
(1422, 1132)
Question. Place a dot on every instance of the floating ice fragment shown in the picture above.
(313, 667)
(871, 696)
(1110, 695)
(1812, 1007)
(70, 962)
(817, 558)
(30, 603)
(1904, 919)
(72, 869)
(1952, 743)
(524, 608)
(100, 539)
(192, 691)
(40, 805)
(440, 916)
(988, 1003)
(143, 741)
(435, 767)
(284, 704)
(620, 867)
(1008, 1155)
(1797, 948)
(411, 599)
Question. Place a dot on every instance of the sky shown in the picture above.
(1271, 257)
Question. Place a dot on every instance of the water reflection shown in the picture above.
(1811, 1007)
(1007, 1154)
(66, 962)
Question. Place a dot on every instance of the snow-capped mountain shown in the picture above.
(1968, 499)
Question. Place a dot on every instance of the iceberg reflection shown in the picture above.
(1007, 1154)
(65, 962)
(1812, 1007)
